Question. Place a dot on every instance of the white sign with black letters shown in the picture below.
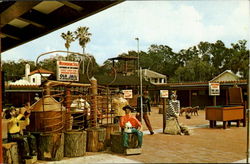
(67, 71)
(164, 93)
(214, 89)
(128, 94)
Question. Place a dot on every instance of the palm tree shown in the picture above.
(68, 37)
(84, 37)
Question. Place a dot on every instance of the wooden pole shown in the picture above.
(1, 101)
(164, 114)
(141, 93)
(214, 101)
(189, 98)
(109, 98)
(68, 99)
(93, 82)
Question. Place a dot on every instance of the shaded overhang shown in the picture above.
(23, 21)
(126, 58)
(199, 85)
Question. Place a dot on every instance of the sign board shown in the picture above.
(164, 93)
(67, 71)
(128, 94)
(214, 89)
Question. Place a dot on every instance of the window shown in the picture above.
(156, 80)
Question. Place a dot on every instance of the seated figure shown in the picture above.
(172, 124)
(26, 143)
(130, 124)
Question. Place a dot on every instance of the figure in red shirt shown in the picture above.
(130, 124)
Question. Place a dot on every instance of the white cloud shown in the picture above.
(238, 16)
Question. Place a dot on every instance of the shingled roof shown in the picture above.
(42, 71)
(118, 81)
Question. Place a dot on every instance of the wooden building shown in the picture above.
(197, 93)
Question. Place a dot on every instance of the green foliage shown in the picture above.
(83, 36)
(160, 58)
(16, 70)
(197, 63)
(48, 64)
(68, 37)
(239, 58)
(195, 70)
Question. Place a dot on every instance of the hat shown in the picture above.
(120, 92)
(173, 96)
(128, 107)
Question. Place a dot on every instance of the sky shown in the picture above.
(178, 24)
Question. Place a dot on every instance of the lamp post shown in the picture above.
(138, 53)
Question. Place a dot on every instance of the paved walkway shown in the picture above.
(205, 145)
(104, 158)
(97, 158)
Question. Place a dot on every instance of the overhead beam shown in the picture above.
(72, 5)
(31, 22)
(37, 17)
(12, 31)
(10, 36)
(16, 10)
(63, 16)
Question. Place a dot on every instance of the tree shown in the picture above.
(68, 37)
(239, 58)
(161, 58)
(16, 70)
(204, 51)
(195, 70)
(49, 64)
(219, 52)
(83, 36)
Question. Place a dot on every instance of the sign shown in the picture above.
(67, 71)
(214, 89)
(128, 94)
(164, 93)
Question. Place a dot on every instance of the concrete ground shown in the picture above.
(204, 145)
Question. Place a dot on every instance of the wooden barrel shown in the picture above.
(48, 121)
(75, 143)
(51, 146)
(117, 142)
(96, 139)
(110, 128)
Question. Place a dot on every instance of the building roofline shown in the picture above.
(42, 71)
(226, 71)
(194, 84)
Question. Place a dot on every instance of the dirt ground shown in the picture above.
(204, 145)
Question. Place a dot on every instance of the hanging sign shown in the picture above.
(214, 89)
(128, 94)
(67, 71)
(164, 93)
